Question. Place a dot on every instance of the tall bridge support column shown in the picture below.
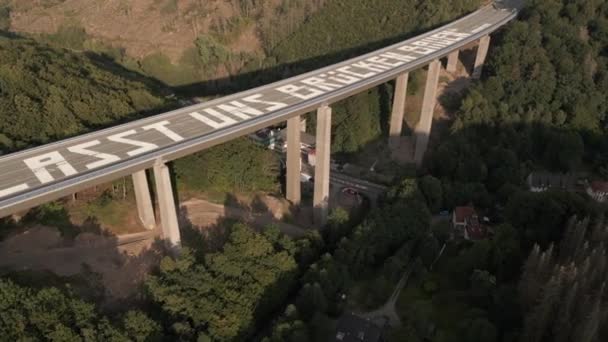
(398, 110)
(482, 53)
(303, 125)
(322, 166)
(167, 208)
(452, 61)
(423, 129)
(145, 210)
(294, 160)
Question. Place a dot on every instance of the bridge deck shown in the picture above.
(37, 175)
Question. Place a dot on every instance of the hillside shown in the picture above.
(178, 42)
(48, 94)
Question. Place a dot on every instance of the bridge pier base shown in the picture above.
(480, 59)
(167, 207)
(423, 128)
(145, 210)
(452, 61)
(398, 110)
(294, 160)
(322, 166)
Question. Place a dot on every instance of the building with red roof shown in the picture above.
(465, 221)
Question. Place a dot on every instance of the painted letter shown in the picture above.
(83, 149)
(38, 165)
(273, 105)
(321, 83)
(143, 146)
(225, 121)
(162, 128)
(240, 110)
(295, 91)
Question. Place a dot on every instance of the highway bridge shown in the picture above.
(48, 172)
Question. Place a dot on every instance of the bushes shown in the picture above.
(239, 165)
(49, 314)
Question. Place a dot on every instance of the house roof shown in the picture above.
(599, 186)
(464, 213)
(351, 328)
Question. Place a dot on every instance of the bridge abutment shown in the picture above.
(167, 207)
(423, 128)
(398, 112)
(322, 166)
(145, 209)
(294, 160)
(480, 59)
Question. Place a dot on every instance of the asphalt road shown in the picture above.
(48, 172)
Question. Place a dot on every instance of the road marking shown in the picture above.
(39, 163)
(481, 28)
(143, 146)
(83, 150)
(14, 189)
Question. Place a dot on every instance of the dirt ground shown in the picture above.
(121, 262)
(141, 27)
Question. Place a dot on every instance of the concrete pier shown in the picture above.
(423, 129)
(480, 59)
(452, 61)
(303, 125)
(145, 210)
(398, 110)
(166, 205)
(322, 166)
(294, 160)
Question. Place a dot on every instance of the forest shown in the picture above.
(540, 106)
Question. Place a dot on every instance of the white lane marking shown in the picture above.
(225, 120)
(162, 128)
(39, 163)
(105, 157)
(273, 105)
(143, 146)
(481, 28)
(240, 110)
(13, 190)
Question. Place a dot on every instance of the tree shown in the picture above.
(432, 190)
(49, 314)
(227, 294)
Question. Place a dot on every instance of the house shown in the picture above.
(598, 190)
(351, 328)
(544, 181)
(465, 221)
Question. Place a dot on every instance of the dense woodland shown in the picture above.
(540, 106)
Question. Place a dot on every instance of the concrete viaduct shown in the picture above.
(48, 172)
